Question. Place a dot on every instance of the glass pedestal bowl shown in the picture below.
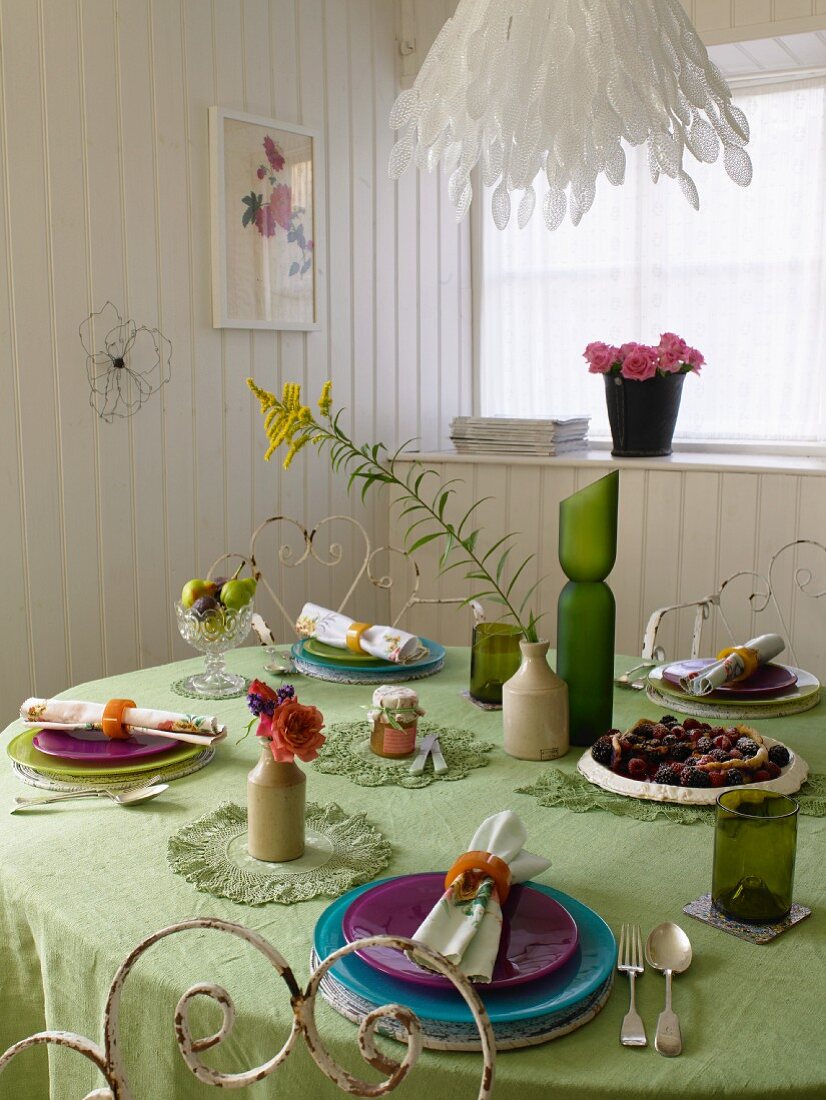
(213, 633)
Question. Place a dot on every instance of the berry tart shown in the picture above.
(689, 761)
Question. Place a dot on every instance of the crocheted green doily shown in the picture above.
(347, 752)
(342, 850)
(178, 686)
(574, 792)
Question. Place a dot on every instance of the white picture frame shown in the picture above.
(264, 215)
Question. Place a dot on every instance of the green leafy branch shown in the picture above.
(428, 515)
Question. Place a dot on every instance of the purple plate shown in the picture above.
(94, 747)
(538, 934)
(768, 680)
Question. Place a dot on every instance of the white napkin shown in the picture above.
(386, 642)
(766, 646)
(465, 925)
(74, 714)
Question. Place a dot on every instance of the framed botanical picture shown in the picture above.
(263, 222)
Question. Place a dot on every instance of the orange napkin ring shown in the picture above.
(112, 724)
(747, 656)
(354, 633)
(492, 865)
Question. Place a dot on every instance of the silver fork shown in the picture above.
(631, 963)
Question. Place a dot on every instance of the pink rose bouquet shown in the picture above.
(638, 362)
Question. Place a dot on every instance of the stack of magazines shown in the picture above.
(515, 435)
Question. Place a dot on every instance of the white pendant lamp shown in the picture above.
(545, 92)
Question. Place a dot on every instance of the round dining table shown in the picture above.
(81, 884)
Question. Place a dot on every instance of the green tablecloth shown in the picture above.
(81, 885)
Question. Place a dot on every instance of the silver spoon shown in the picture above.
(625, 679)
(668, 949)
(125, 798)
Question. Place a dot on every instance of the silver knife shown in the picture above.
(439, 762)
(417, 767)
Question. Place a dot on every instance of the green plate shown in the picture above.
(806, 685)
(21, 749)
(344, 656)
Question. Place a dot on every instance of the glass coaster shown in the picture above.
(180, 688)
(318, 850)
(702, 909)
(478, 703)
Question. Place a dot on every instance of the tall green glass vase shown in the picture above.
(586, 612)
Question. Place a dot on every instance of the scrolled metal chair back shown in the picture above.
(108, 1058)
(364, 563)
(762, 600)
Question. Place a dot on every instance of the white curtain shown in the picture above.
(743, 280)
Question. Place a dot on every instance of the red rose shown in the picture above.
(296, 731)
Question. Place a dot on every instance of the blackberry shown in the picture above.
(666, 774)
(668, 720)
(695, 777)
(780, 755)
(670, 739)
(719, 755)
(747, 747)
(705, 744)
(603, 751)
(643, 730)
(681, 751)
(734, 777)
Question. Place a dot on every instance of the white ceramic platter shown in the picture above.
(790, 780)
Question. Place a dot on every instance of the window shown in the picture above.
(743, 280)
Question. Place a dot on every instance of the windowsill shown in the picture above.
(729, 462)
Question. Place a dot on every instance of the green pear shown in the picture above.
(236, 594)
(193, 590)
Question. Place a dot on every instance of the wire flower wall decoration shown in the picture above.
(128, 365)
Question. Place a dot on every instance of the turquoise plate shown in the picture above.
(435, 655)
(587, 971)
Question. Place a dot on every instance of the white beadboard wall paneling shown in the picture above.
(141, 201)
(103, 150)
(681, 532)
(175, 298)
(206, 398)
(18, 659)
(104, 188)
(69, 245)
(28, 247)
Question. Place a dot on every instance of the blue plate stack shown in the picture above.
(341, 671)
(522, 1015)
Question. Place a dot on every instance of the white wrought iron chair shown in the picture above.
(316, 546)
(762, 598)
(108, 1057)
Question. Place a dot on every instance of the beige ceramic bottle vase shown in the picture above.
(275, 810)
(535, 708)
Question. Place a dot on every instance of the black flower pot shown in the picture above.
(643, 414)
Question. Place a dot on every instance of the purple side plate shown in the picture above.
(538, 934)
(93, 747)
(768, 680)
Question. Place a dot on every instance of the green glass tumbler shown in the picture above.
(755, 840)
(494, 657)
